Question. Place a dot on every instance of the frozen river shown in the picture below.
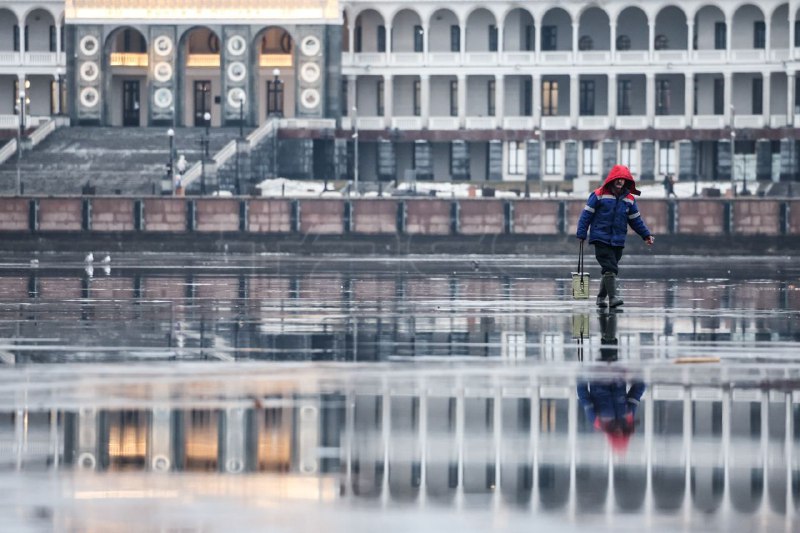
(244, 393)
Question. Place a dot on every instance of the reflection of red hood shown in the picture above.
(618, 171)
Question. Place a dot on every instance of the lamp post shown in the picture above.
(277, 93)
(355, 148)
(170, 172)
(204, 152)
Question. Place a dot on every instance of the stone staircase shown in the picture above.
(109, 160)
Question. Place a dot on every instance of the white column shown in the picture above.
(790, 103)
(351, 40)
(388, 100)
(462, 49)
(352, 95)
(425, 41)
(612, 27)
(21, 31)
(728, 33)
(688, 97)
(651, 43)
(612, 98)
(650, 98)
(58, 40)
(690, 38)
(462, 98)
(500, 37)
(425, 100)
(766, 100)
(574, 99)
(57, 100)
(575, 29)
(499, 98)
(767, 33)
(536, 98)
(388, 44)
(728, 80)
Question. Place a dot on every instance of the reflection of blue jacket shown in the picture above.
(609, 399)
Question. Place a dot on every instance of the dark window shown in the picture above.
(357, 40)
(719, 96)
(455, 38)
(16, 38)
(549, 38)
(417, 98)
(63, 34)
(797, 33)
(275, 97)
(661, 42)
(797, 93)
(623, 43)
(587, 97)
(492, 38)
(52, 38)
(663, 97)
(27, 39)
(379, 109)
(418, 38)
(490, 98)
(759, 35)
(549, 98)
(758, 96)
(529, 38)
(623, 97)
(585, 43)
(527, 97)
(453, 98)
(213, 44)
(720, 36)
(381, 38)
(343, 98)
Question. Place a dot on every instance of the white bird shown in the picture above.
(107, 270)
(89, 258)
(106, 259)
(89, 270)
(34, 263)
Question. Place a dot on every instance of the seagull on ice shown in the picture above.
(106, 259)
(89, 270)
(89, 258)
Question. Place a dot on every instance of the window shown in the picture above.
(719, 96)
(591, 157)
(623, 43)
(418, 35)
(549, 38)
(417, 98)
(453, 98)
(549, 98)
(585, 43)
(623, 97)
(759, 35)
(516, 157)
(490, 98)
(357, 40)
(274, 98)
(587, 97)
(662, 97)
(455, 38)
(552, 157)
(527, 98)
(629, 156)
(720, 36)
(661, 42)
(27, 35)
(666, 157)
(492, 38)
(529, 38)
(758, 96)
(16, 38)
(343, 98)
(379, 99)
(381, 38)
(52, 38)
(797, 33)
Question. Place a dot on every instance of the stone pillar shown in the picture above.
(459, 160)
(651, 41)
(612, 32)
(574, 99)
(788, 160)
(612, 99)
(331, 65)
(495, 160)
(163, 76)
(425, 98)
(724, 160)
(59, 29)
(790, 103)
(766, 101)
(313, 57)
(575, 30)
(499, 99)
(536, 98)
(352, 96)
(387, 160)
(648, 153)
(650, 97)
(236, 76)
(341, 159)
(763, 159)
(21, 29)
(728, 93)
(610, 148)
(89, 81)
(687, 160)
(533, 160)
(388, 105)
(462, 99)
(688, 97)
(570, 160)
(423, 160)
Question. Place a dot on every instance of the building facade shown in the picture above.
(481, 91)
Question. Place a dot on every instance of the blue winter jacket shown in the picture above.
(609, 217)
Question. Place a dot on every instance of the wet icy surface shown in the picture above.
(229, 393)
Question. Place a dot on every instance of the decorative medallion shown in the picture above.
(237, 71)
(236, 45)
(310, 72)
(310, 45)
(162, 45)
(162, 97)
(89, 97)
(89, 71)
(310, 98)
(237, 97)
(89, 45)
(162, 71)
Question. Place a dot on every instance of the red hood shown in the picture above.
(618, 171)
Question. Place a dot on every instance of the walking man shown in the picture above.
(608, 211)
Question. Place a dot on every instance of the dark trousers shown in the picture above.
(608, 257)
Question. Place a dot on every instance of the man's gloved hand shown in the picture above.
(650, 240)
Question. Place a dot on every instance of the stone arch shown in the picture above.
(779, 27)
(632, 23)
(8, 23)
(561, 20)
(478, 30)
(40, 30)
(671, 28)
(519, 32)
(705, 20)
(370, 32)
(439, 28)
(594, 23)
(125, 64)
(406, 35)
(198, 76)
(274, 52)
(743, 26)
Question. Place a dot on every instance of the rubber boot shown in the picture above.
(601, 296)
(610, 283)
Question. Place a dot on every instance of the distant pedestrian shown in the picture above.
(669, 186)
(608, 211)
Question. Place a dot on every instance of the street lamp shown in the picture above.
(355, 148)
(170, 173)
(276, 94)
(204, 152)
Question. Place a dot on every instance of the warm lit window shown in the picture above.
(549, 98)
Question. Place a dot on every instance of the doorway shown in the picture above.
(202, 101)
(130, 103)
